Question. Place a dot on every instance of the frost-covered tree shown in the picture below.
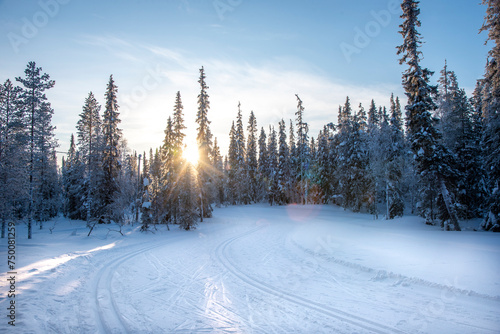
(47, 196)
(73, 174)
(220, 177)
(204, 139)
(241, 191)
(232, 167)
(263, 170)
(396, 162)
(187, 200)
(272, 164)
(146, 215)
(283, 164)
(303, 152)
(90, 148)
(251, 158)
(491, 114)
(112, 135)
(13, 148)
(323, 172)
(37, 110)
(433, 161)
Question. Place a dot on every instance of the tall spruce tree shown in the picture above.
(73, 171)
(251, 158)
(90, 146)
(34, 102)
(241, 169)
(263, 165)
(434, 162)
(283, 160)
(111, 147)
(232, 167)
(13, 148)
(491, 114)
(204, 139)
(272, 164)
(303, 152)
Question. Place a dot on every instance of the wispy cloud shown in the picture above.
(268, 89)
(153, 75)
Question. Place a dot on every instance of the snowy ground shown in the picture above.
(257, 269)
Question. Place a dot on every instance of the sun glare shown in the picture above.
(191, 154)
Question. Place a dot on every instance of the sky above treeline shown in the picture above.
(259, 53)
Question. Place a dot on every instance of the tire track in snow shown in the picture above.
(352, 319)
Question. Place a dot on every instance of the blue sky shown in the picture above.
(258, 52)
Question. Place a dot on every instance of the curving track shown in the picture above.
(344, 317)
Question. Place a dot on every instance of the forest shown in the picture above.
(436, 155)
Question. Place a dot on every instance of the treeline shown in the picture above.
(440, 160)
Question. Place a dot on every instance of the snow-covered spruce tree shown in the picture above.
(303, 153)
(156, 187)
(323, 167)
(377, 145)
(241, 169)
(232, 167)
(342, 153)
(358, 160)
(220, 177)
(146, 215)
(47, 197)
(263, 171)
(34, 103)
(251, 158)
(292, 166)
(187, 199)
(13, 149)
(433, 161)
(462, 138)
(111, 153)
(273, 189)
(163, 172)
(396, 159)
(491, 115)
(204, 139)
(173, 165)
(90, 149)
(283, 160)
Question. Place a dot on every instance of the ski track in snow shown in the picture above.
(110, 320)
(367, 324)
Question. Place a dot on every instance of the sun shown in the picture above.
(191, 153)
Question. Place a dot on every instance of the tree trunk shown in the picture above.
(449, 205)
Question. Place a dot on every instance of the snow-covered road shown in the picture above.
(260, 269)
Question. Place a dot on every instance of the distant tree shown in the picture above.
(273, 188)
(263, 170)
(303, 152)
(283, 164)
(73, 172)
(220, 179)
(241, 191)
(233, 166)
(187, 204)
(251, 158)
(146, 215)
